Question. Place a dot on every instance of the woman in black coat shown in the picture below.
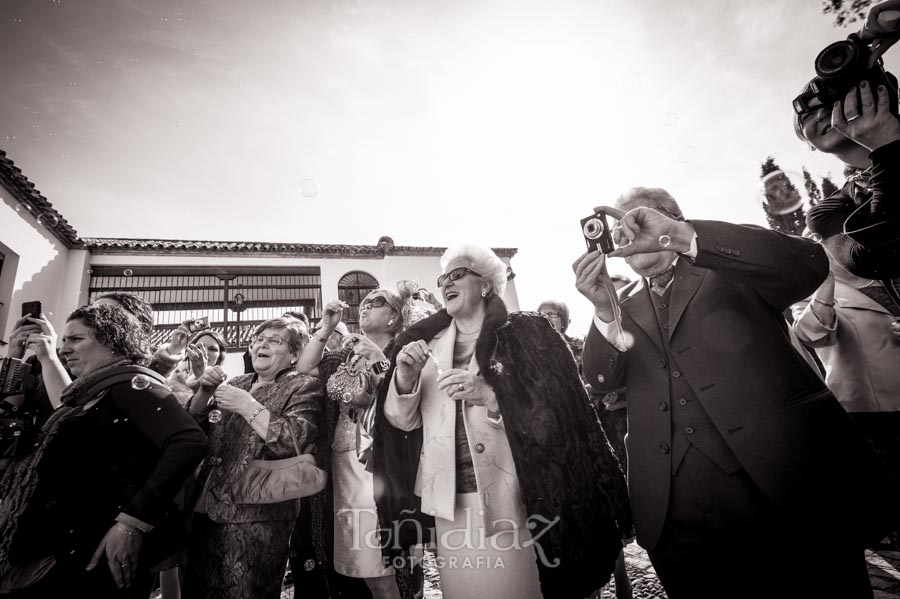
(91, 509)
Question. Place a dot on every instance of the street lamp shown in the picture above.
(238, 306)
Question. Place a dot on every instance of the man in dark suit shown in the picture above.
(742, 467)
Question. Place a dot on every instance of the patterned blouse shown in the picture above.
(294, 400)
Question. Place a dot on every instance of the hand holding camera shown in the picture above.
(644, 230)
(593, 282)
(863, 119)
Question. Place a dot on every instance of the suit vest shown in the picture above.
(690, 424)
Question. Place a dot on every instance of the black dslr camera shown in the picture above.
(840, 67)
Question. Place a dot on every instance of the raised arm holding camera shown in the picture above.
(733, 441)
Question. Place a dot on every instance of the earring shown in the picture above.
(293, 362)
(483, 293)
(391, 322)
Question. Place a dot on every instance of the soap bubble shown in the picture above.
(671, 119)
(781, 192)
(140, 382)
(309, 188)
(127, 272)
(214, 416)
(48, 219)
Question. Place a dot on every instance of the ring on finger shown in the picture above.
(460, 387)
(853, 118)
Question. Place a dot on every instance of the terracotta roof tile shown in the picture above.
(25, 193)
(105, 245)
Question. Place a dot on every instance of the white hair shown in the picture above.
(480, 259)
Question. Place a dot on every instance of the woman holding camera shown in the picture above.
(205, 349)
(239, 549)
(511, 457)
(91, 508)
(859, 224)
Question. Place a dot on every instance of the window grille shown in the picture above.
(179, 294)
(353, 289)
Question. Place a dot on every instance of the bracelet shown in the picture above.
(256, 413)
(815, 299)
(126, 531)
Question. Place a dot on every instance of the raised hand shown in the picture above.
(643, 230)
(868, 120)
(410, 362)
(593, 282)
(196, 355)
(462, 385)
(19, 336)
(882, 28)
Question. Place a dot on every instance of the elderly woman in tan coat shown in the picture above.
(526, 496)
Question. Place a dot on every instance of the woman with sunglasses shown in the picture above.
(237, 549)
(511, 463)
(350, 543)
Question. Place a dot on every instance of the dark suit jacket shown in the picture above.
(728, 337)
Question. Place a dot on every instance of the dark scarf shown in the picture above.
(20, 479)
(565, 466)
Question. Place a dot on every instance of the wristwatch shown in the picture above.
(381, 366)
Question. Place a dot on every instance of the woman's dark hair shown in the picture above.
(220, 341)
(136, 306)
(115, 328)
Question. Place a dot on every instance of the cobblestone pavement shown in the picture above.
(884, 572)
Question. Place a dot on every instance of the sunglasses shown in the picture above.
(551, 314)
(455, 275)
(375, 302)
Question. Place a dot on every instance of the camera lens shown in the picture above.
(836, 58)
(593, 228)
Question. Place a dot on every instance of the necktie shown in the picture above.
(660, 282)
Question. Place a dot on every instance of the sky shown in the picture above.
(433, 122)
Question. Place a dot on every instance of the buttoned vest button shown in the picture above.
(682, 401)
(663, 406)
(676, 374)
(663, 448)
(689, 430)
(479, 447)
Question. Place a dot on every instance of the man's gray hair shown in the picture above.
(652, 197)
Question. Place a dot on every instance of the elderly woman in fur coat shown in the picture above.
(486, 422)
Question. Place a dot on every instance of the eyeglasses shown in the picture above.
(455, 275)
(551, 314)
(273, 340)
(375, 302)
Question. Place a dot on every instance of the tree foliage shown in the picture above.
(828, 187)
(846, 12)
(812, 190)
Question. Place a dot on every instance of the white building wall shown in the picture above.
(35, 268)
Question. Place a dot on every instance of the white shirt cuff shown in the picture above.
(611, 331)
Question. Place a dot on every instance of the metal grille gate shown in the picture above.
(234, 299)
